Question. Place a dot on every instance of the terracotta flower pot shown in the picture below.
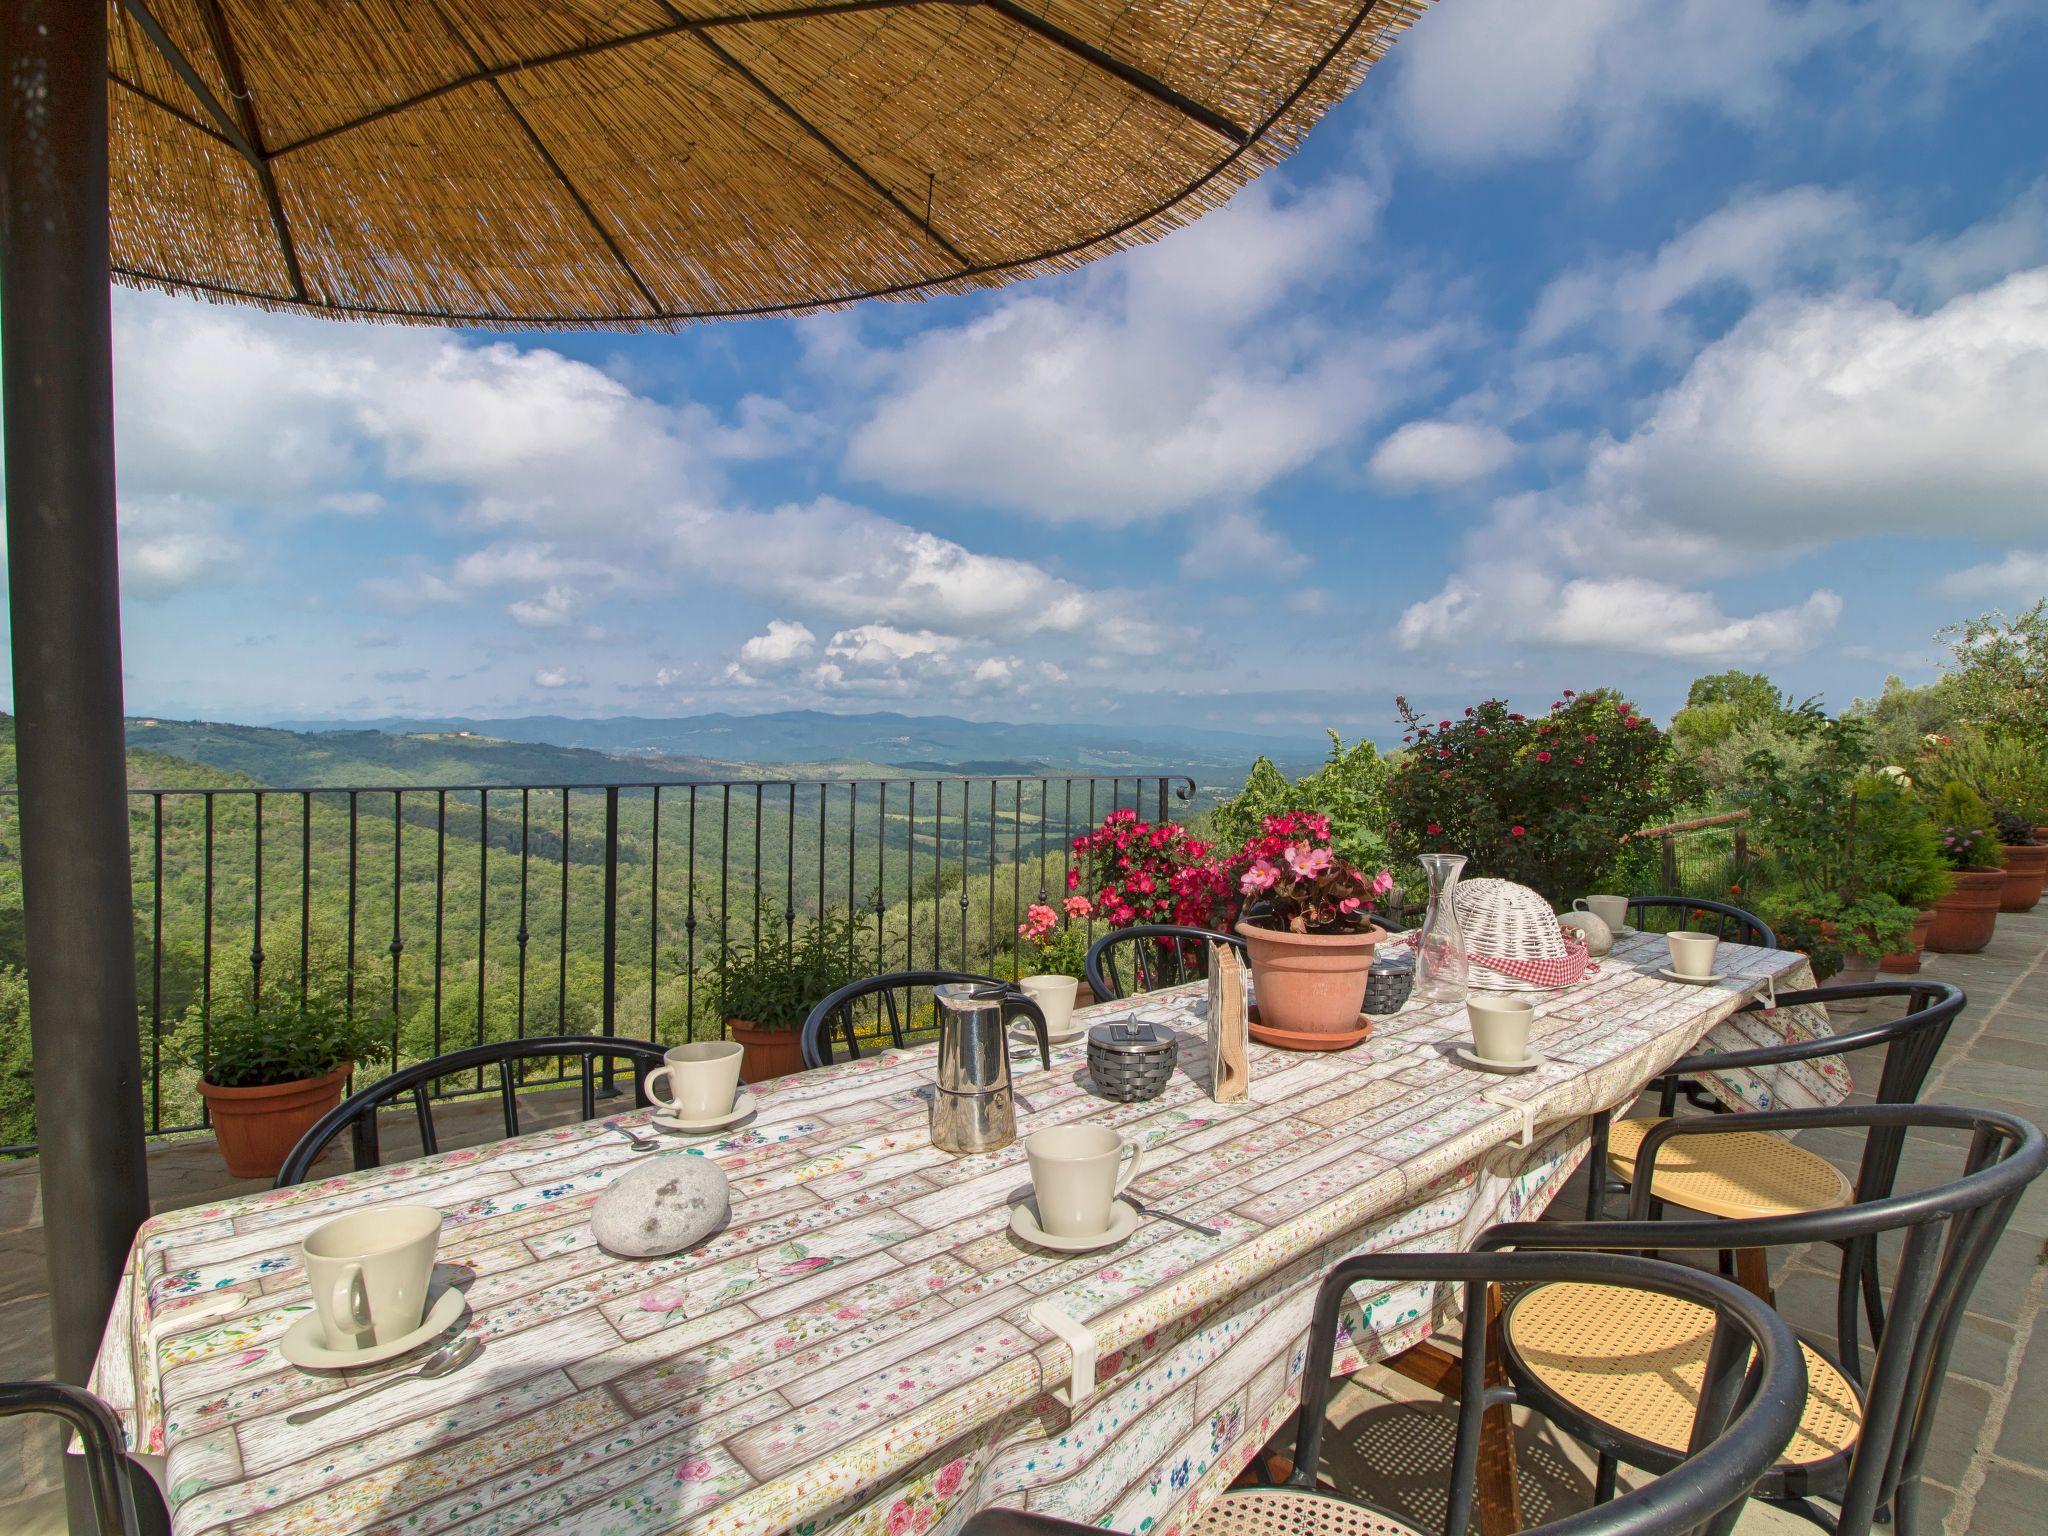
(2026, 871)
(1906, 962)
(256, 1128)
(1965, 917)
(766, 1053)
(1310, 983)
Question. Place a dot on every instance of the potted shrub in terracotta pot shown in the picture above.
(1965, 919)
(1308, 925)
(763, 991)
(1902, 856)
(269, 1066)
(2026, 861)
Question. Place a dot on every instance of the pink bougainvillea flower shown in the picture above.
(1515, 830)
(1433, 829)
(1542, 757)
(1578, 762)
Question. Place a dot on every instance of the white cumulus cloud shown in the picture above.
(1430, 455)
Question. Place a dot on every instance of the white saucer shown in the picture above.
(1472, 1058)
(1665, 973)
(1024, 1222)
(302, 1342)
(742, 1107)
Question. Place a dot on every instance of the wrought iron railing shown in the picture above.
(474, 912)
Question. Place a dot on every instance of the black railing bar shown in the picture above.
(156, 974)
(525, 933)
(256, 918)
(305, 897)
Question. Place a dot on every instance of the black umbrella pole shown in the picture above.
(64, 591)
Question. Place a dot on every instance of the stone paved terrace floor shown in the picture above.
(1988, 1467)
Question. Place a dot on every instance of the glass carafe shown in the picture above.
(1440, 970)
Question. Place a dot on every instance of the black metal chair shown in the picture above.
(1162, 955)
(1746, 1416)
(838, 1009)
(1756, 1173)
(124, 1496)
(358, 1112)
(1613, 1371)
(1731, 924)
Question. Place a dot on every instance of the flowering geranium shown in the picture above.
(1135, 871)
(1288, 877)
(1059, 946)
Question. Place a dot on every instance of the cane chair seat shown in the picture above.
(1736, 1174)
(1293, 1512)
(1634, 1360)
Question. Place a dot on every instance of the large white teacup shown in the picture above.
(369, 1272)
(1055, 998)
(702, 1079)
(1611, 910)
(1077, 1171)
(1692, 954)
(1500, 1027)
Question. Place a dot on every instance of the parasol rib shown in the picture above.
(674, 28)
(252, 132)
(873, 183)
(1130, 74)
(654, 306)
(198, 125)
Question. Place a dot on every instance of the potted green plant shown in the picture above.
(270, 1064)
(764, 991)
(1966, 917)
(1309, 929)
(2010, 772)
(1903, 853)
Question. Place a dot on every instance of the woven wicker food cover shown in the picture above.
(629, 163)
(1505, 921)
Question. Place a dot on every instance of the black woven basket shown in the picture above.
(1130, 1062)
(1387, 988)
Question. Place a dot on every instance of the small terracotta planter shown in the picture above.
(1965, 918)
(766, 1053)
(256, 1128)
(1906, 962)
(2026, 871)
(1310, 983)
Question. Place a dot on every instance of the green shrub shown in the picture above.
(256, 1037)
(1350, 789)
(774, 985)
(1963, 823)
(1543, 801)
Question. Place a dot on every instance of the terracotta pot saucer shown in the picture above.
(1309, 1039)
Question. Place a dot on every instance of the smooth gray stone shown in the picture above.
(661, 1206)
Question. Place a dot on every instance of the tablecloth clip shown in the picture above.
(1525, 1108)
(1080, 1342)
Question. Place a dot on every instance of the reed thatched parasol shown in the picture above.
(651, 162)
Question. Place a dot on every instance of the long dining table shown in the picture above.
(856, 1350)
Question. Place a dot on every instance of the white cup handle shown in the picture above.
(1137, 1156)
(659, 1073)
(1579, 904)
(351, 1299)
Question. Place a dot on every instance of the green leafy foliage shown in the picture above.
(258, 1037)
(1543, 801)
(1963, 823)
(2000, 672)
(2007, 773)
(1350, 789)
(774, 985)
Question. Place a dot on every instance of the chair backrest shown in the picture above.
(114, 1504)
(837, 1011)
(358, 1112)
(1736, 1437)
(1948, 1233)
(1157, 955)
(1716, 917)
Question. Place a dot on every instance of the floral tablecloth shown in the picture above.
(854, 1352)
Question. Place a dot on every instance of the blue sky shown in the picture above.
(1597, 341)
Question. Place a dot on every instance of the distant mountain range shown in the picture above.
(919, 743)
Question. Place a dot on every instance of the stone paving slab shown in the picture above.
(1988, 1465)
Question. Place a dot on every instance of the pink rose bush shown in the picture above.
(1135, 871)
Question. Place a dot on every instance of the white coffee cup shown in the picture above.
(1692, 954)
(1077, 1171)
(1055, 998)
(369, 1271)
(1611, 910)
(1500, 1027)
(703, 1078)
